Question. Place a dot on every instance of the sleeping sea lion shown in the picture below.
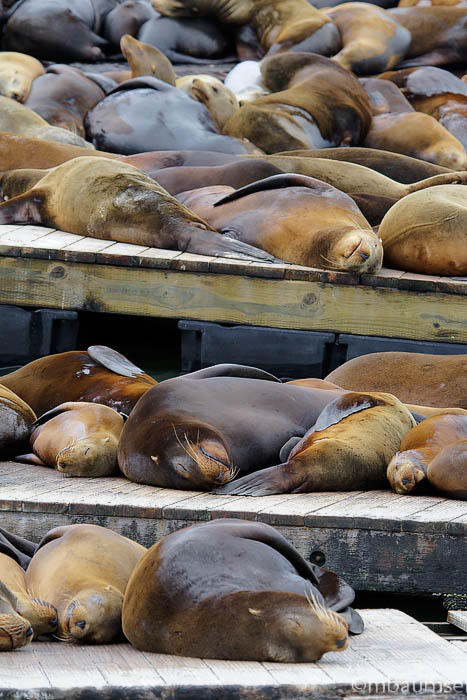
(40, 614)
(153, 161)
(233, 589)
(416, 378)
(426, 232)
(16, 419)
(385, 97)
(218, 99)
(447, 472)
(113, 200)
(126, 18)
(100, 375)
(15, 630)
(373, 41)
(77, 439)
(83, 571)
(295, 218)
(407, 470)
(347, 449)
(17, 72)
(185, 435)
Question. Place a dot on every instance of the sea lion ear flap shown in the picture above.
(113, 360)
(288, 447)
(23, 209)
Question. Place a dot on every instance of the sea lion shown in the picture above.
(219, 100)
(19, 119)
(295, 218)
(153, 161)
(186, 435)
(40, 614)
(314, 104)
(15, 630)
(77, 439)
(119, 124)
(385, 97)
(100, 375)
(16, 419)
(144, 59)
(17, 72)
(447, 472)
(126, 18)
(83, 571)
(263, 602)
(426, 232)
(63, 96)
(347, 449)
(373, 41)
(418, 135)
(407, 470)
(245, 81)
(113, 200)
(16, 547)
(416, 378)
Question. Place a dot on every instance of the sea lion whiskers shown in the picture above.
(332, 620)
(206, 463)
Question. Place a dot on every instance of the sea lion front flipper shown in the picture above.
(273, 182)
(53, 534)
(287, 448)
(231, 370)
(113, 360)
(353, 619)
(17, 547)
(56, 411)
(30, 458)
(220, 246)
(23, 209)
(342, 407)
(265, 482)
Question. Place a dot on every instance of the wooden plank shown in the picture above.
(458, 618)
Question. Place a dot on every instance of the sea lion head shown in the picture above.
(15, 630)
(43, 616)
(405, 472)
(93, 616)
(355, 250)
(92, 456)
(217, 98)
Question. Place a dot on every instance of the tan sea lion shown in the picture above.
(83, 571)
(426, 232)
(447, 472)
(40, 614)
(295, 218)
(216, 97)
(347, 449)
(144, 59)
(407, 470)
(15, 630)
(16, 419)
(416, 378)
(17, 72)
(113, 200)
(77, 438)
(100, 375)
(233, 589)
(373, 41)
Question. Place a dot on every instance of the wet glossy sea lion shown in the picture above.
(416, 378)
(113, 200)
(100, 375)
(83, 571)
(447, 472)
(126, 18)
(153, 161)
(426, 232)
(296, 218)
(119, 122)
(40, 614)
(15, 630)
(373, 41)
(16, 419)
(232, 589)
(144, 59)
(77, 439)
(186, 435)
(385, 96)
(407, 470)
(63, 96)
(314, 104)
(218, 99)
(234, 174)
(418, 135)
(17, 72)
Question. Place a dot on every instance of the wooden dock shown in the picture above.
(377, 540)
(47, 268)
(396, 657)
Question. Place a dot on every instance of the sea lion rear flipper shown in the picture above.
(353, 619)
(231, 370)
(265, 482)
(287, 448)
(113, 360)
(30, 458)
(23, 209)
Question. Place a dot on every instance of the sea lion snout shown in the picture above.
(359, 250)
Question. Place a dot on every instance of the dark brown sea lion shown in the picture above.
(126, 18)
(77, 438)
(263, 602)
(16, 419)
(16, 547)
(83, 571)
(100, 375)
(119, 123)
(15, 630)
(17, 72)
(407, 470)
(40, 614)
(373, 41)
(385, 97)
(186, 435)
(448, 470)
(63, 96)
(113, 200)
(416, 378)
(298, 219)
(348, 448)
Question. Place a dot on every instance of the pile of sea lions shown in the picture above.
(350, 120)
(384, 419)
(87, 584)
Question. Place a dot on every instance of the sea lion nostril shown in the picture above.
(81, 624)
(340, 643)
(29, 632)
(364, 256)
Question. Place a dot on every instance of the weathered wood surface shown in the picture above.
(458, 618)
(395, 656)
(43, 267)
(377, 540)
